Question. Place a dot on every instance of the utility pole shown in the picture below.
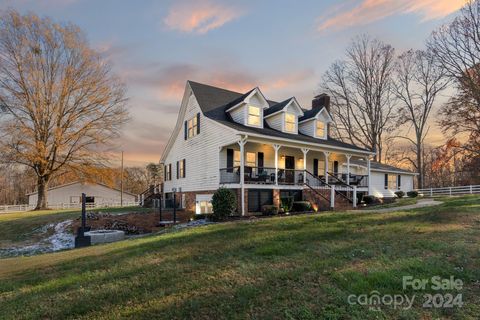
(121, 183)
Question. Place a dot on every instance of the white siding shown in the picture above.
(377, 182)
(307, 128)
(238, 114)
(71, 194)
(276, 121)
(201, 153)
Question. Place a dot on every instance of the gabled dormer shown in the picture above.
(248, 109)
(316, 121)
(284, 116)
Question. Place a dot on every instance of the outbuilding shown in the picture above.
(96, 194)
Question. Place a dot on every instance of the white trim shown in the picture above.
(303, 143)
(181, 115)
(384, 170)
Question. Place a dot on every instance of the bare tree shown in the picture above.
(361, 91)
(60, 99)
(456, 47)
(419, 80)
(155, 173)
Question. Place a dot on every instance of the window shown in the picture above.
(391, 181)
(181, 169)
(206, 207)
(168, 172)
(203, 204)
(253, 116)
(289, 122)
(250, 161)
(320, 129)
(236, 158)
(192, 127)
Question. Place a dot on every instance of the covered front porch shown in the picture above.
(257, 162)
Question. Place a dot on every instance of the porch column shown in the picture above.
(368, 172)
(327, 156)
(276, 147)
(348, 168)
(305, 151)
(242, 143)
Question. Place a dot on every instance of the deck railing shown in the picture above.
(265, 175)
(261, 175)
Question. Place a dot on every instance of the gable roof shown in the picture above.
(215, 101)
(82, 182)
(377, 166)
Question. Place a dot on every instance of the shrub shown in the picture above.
(224, 203)
(400, 194)
(370, 199)
(269, 210)
(301, 206)
(286, 204)
(412, 194)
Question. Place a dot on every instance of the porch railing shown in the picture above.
(261, 175)
(357, 180)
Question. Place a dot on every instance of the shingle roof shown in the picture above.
(309, 114)
(215, 101)
(380, 166)
(277, 107)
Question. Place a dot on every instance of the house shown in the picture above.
(70, 194)
(263, 150)
(384, 179)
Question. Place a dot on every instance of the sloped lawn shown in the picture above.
(18, 227)
(299, 267)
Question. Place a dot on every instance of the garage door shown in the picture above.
(258, 198)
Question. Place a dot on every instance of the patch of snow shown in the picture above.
(61, 239)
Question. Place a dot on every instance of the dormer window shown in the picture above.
(253, 116)
(320, 129)
(290, 122)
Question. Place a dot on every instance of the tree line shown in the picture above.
(387, 102)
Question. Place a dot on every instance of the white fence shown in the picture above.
(450, 191)
(26, 207)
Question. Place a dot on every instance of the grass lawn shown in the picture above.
(298, 267)
(398, 203)
(21, 226)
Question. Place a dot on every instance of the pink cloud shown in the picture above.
(200, 16)
(367, 11)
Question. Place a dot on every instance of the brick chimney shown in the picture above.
(321, 100)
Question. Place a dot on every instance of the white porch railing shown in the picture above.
(450, 191)
(26, 207)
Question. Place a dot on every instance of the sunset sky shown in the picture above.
(281, 46)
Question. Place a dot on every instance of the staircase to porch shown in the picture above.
(321, 192)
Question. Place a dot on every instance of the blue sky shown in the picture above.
(281, 46)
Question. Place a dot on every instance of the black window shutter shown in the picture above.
(184, 169)
(169, 171)
(198, 123)
(386, 181)
(229, 160)
(315, 167)
(399, 181)
(185, 134)
(260, 159)
(178, 169)
(165, 172)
